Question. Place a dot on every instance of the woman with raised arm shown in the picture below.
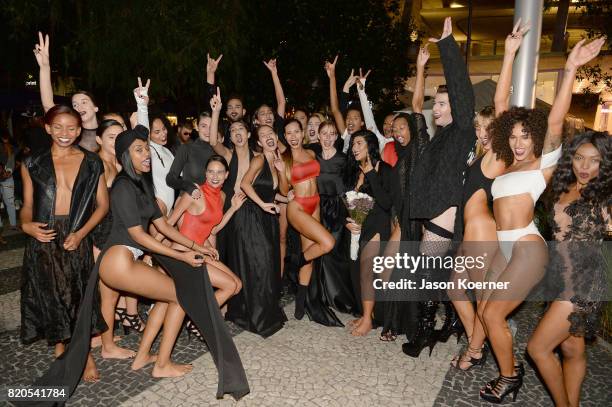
(300, 172)
(368, 174)
(475, 220)
(530, 145)
(201, 219)
(254, 253)
(64, 198)
(366, 110)
(582, 198)
(82, 101)
(134, 209)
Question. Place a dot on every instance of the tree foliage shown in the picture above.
(106, 45)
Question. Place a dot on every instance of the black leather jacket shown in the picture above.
(83, 202)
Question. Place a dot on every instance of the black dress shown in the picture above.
(54, 279)
(188, 167)
(132, 207)
(254, 256)
(377, 184)
(577, 269)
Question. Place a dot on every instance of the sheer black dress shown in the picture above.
(577, 267)
(254, 256)
(131, 206)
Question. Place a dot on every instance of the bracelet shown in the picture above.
(192, 244)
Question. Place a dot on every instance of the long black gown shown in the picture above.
(132, 207)
(254, 256)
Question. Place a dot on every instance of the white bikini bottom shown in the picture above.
(137, 253)
(507, 238)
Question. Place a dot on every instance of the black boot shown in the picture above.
(452, 324)
(425, 335)
(300, 301)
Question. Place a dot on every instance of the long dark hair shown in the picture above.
(351, 174)
(598, 189)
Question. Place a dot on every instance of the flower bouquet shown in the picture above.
(358, 205)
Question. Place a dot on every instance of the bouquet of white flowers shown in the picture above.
(358, 205)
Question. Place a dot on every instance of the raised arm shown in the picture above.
(580, 55)
(219, 148)
(41, 52)
(511, 46)
(141, 93)
(330, 69)
(278, 88)
(460, 92)
(418, 97)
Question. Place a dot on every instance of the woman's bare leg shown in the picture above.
(574, 367)
(552, 331)
(309, 227)
(371, 249)
(525, 269)
(108, 300)
(119, 270)
(283, 226)
(154, 324)
(225, 284)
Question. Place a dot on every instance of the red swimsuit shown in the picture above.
(198, 227)
(302, 172)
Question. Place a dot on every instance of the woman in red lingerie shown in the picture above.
(201, 219)
(303, 213)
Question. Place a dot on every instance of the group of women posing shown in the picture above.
(250, 209)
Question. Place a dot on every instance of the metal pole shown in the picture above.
(525, 69)
(468, 44)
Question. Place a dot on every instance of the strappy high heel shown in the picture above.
(463, 358)
(120, 314)
(133, 323)
(193, 330)
(502, 387)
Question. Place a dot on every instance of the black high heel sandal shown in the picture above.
(425, 336)
(120, 314)
(133, 323)
(193, 330)
(519, 369)
(502, 387)
(452, 325)
(463, 358)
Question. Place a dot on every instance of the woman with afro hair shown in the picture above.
(530, 145)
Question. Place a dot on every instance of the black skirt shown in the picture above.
(53, 286)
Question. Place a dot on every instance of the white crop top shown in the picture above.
(530, 182)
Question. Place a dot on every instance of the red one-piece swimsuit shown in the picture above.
(198, 227)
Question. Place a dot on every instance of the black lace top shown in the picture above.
(577, 267)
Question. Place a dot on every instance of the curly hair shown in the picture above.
(598, 189)
(535, 123)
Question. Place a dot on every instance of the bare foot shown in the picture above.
(363, 328)
(354, 323)
(91, 373)
(96, 341)
(141, 361)
(117, 352)
(171, 370)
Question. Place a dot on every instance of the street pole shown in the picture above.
(525, 69)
